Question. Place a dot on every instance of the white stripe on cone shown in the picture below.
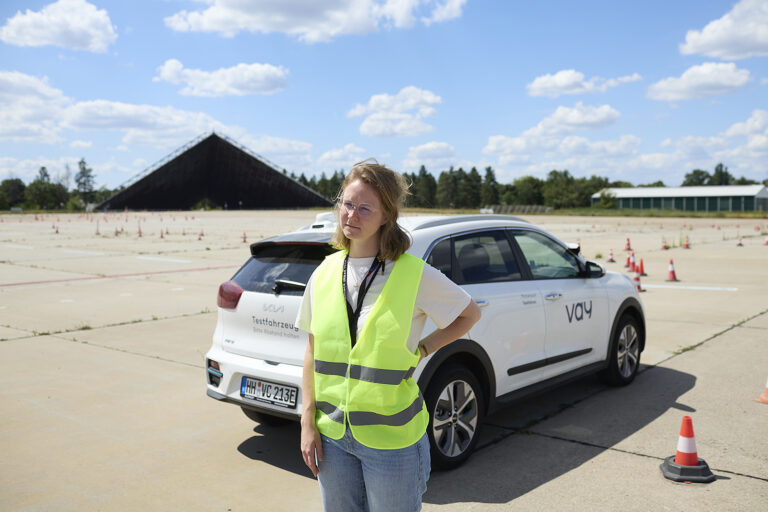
(686, 444)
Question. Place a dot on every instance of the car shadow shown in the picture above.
(519, 449)
(515, 447)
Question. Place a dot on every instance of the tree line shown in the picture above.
(47, 193)
(453, 188)
(457, 188)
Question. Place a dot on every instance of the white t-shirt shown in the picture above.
(438, 298)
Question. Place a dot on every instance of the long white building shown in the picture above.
(730, 198)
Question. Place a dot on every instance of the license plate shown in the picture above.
(268, 392)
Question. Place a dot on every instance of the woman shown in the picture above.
(363, 424)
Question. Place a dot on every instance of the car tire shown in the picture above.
(264, 419)
(624, 356)
(456, 404)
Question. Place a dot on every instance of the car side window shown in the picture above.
(546, 258)
(440, 257)
(484, 257)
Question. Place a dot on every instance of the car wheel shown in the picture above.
(264, 419)
(624, 358)
(455, 403)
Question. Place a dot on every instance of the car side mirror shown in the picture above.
(595, 269)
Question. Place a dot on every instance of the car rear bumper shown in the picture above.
(234, 367)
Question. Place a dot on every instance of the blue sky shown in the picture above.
(635, 91)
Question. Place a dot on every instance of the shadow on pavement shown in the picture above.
(277, 446)
(519, 449)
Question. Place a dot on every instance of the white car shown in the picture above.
(549, 316)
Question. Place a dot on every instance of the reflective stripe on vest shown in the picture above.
(369, 387)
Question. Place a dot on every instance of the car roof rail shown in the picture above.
(455, 219)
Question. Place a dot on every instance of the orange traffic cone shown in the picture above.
(632, 262)
(161, 233)
(766, 239)
(626, 265)
(739, 244)
(764, 397)
(244, 239)
(686, 245)
(664, 245)
(672, 276)
(611, 260)
(685, 465)
(637, 282)
(642, 268)
(628, 247)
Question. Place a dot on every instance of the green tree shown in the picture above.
(744, 181)
(721, 176)
(559, 190)
(13, 189)
(585, 187)
(43, 174)
(607, 200)
(696, 178)
(469, 189)
(620, 184)
(425, 188)
(46, 195)
(447, 189)
(507, 193)
(658, 183)
(489, 190)
(84, 181)
(528, 190)
(4, 203)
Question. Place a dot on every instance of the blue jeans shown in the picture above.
(355, 478)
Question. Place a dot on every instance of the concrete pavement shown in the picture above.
(103, 406)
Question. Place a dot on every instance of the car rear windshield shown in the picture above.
(293, 262)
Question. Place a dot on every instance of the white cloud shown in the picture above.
(764, 81)
(28, 168)
(343, 158)
(73, 24)
(704, 80)
(311, 22)
(29, 107)
(399, 115)
(554, 143)
(739, 34)
(80, 144)
(239, 80)
(447, 10)
(570, 81)
(432, 155)
(568, 120)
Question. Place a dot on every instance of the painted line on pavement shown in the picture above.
(87, 253)
(673, 286)
(110, 276)
(18, 246)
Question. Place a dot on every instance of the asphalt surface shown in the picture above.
(103, 406)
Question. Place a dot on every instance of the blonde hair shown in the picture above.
(392, 189)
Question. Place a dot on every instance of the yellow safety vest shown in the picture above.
(369, 387)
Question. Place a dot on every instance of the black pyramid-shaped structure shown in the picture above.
(216, 171)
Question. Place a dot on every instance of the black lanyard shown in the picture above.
(353, 315)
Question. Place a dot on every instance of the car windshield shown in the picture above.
(292, 262)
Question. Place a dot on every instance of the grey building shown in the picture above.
(730, 198)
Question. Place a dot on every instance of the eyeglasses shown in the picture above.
(364, 210)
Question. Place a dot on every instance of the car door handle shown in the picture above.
(481, 302)
(553, 296)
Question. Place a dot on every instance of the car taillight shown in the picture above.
(229, 295)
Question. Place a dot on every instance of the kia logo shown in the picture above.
(274, 308)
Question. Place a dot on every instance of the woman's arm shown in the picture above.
(311, 444)
(450, 333)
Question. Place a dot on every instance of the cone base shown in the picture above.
(696, 474)
(762, 399)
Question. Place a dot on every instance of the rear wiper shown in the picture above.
(285, 283)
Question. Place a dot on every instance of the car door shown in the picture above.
(511, 329)
(575, 307)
